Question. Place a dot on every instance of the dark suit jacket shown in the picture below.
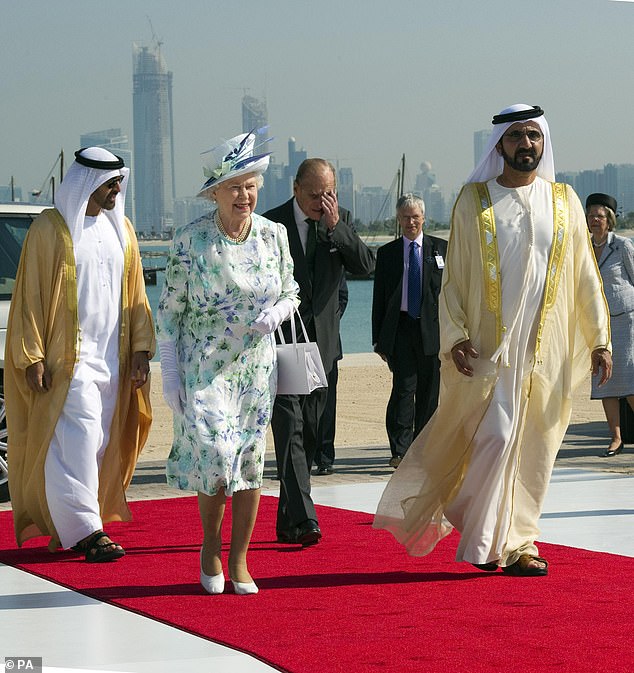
(342, 251)
(388, 288)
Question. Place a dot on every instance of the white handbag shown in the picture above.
(299, 366)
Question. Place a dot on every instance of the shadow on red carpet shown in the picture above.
(357, 602)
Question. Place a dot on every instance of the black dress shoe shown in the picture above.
(614, 452)
(285, 537)
(324, 469)
(308, 533)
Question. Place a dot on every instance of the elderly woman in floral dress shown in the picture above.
(228, 285)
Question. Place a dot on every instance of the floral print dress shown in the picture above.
(214, 289)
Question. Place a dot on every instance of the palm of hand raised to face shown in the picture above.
(330, 207)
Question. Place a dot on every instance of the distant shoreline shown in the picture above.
(368, 240)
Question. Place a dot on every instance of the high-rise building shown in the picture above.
(345, 189)
(569, 177)
(110, 139)
(614, 179)
(295, 157)
(254, 117)
(254, 114)
(480, 141)
(10, 193)
(189, 209)
(619, 182)
(153, 142)
(117, 143)
(428, 189)
(277, 187)
(588, 182)
(373, 204)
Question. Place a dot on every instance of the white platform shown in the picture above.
(77, 634)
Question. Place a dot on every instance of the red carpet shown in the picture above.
(356, 602)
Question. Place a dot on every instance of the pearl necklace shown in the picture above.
(241, 237)
(599, 245)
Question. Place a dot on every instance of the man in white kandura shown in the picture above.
(522, 319)
(79, 339)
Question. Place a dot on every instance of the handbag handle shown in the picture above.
(293, 330)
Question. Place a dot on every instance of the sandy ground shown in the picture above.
(362, 395)
(363, 391)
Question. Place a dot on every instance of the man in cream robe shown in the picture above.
(522, 319)
(79, 339)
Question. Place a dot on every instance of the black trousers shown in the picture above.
(294, 424)
(415, 386)
(325, 451)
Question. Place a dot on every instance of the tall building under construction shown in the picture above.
(255, 116)
(254, 113)
(153, 142)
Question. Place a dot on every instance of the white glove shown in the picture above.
(271, 318)
(173, 391)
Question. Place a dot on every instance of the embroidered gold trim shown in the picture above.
(490, 257)
(560, 238)
(561, 216)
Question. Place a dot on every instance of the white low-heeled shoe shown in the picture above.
(244, 588)
(212, 584)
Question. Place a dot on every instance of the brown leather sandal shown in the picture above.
(521, 567)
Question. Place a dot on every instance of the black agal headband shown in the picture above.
(94, 163)
(519, 116)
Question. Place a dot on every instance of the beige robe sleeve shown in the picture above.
(463, 312)
(592, 314)
(30, 303)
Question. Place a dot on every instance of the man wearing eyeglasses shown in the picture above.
(522, 319)
(79, 340)
(407, 282)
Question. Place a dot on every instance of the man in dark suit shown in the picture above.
(323, 244)
(405, 330)
(325, 451)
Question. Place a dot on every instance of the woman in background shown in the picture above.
(228, 285)
(615, 257)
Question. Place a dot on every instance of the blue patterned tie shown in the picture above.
(414, 282)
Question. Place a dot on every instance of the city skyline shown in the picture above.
(359, 89)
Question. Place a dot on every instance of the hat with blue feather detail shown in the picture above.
(234, 157)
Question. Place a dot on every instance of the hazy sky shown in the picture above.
(355, 81)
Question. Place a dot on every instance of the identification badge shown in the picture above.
(440, 262)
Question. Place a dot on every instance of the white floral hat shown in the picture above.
(232, 158)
